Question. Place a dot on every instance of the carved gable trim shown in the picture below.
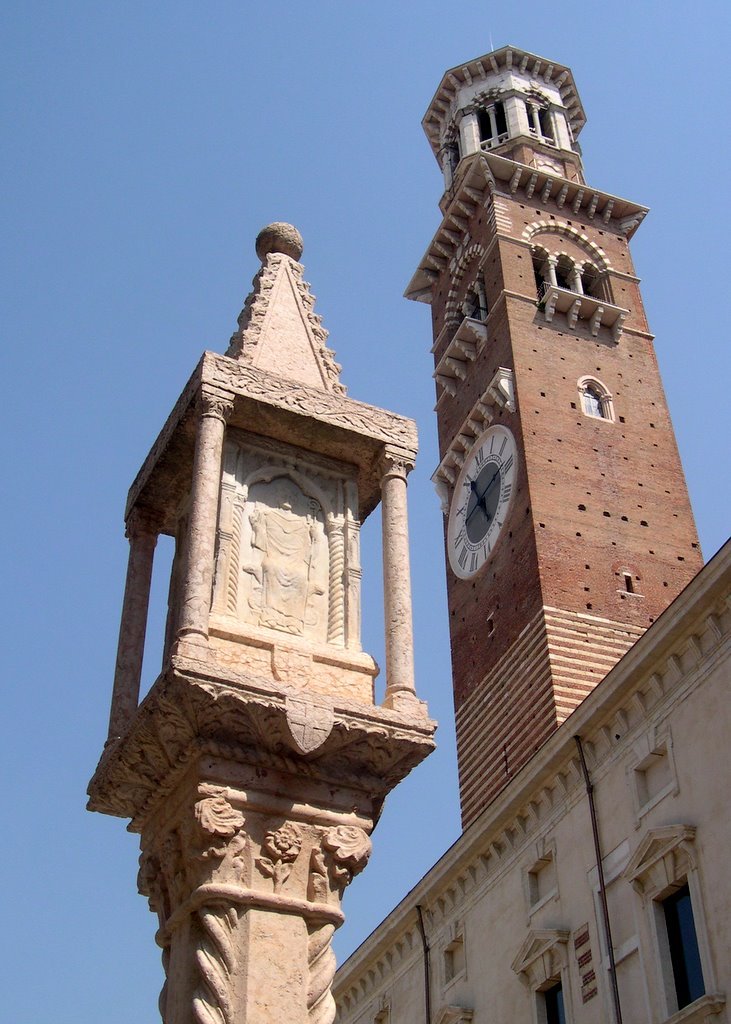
(280, 285)
(662, 860)
(542, 957)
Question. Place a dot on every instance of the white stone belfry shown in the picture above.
(256, 766)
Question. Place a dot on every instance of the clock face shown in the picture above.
(481, 501)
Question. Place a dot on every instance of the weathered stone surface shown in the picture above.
(279, 237)
(257, 765)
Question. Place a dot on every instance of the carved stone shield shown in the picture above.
(310, 722)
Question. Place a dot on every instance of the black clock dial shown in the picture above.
(483, 502)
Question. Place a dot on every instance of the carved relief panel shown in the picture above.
(288, 543)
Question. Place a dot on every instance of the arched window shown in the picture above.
(540, 270)
(540, 123)
(565, 273)
(475, 302)
(596, 401)
(592, 401)
(590, 280)
(544, 119)
(492, 124)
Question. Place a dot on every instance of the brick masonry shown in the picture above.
(550, 613)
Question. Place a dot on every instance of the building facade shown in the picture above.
(589, 648)
(512, 913)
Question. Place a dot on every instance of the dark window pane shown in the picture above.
(683, 943)
(593, 402)
(483, 120)
(554, 1005)
(544, 119)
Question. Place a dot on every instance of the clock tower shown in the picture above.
(567, 523)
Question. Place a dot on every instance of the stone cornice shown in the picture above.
(484, 174)
(188, 713)
(670, 656)
(325, 421)
(443, 102)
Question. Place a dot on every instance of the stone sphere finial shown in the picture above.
(279, 237)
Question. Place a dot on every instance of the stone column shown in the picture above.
(248, 903)
(198, 575)
(336, 606)
(446, 161)
(551, 265)
(493, 124)
(575, 278)
(142, 536)
(397, 579)
(535, 120)
(469, 133)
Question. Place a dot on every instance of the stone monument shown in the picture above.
(256, 767)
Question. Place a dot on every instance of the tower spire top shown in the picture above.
(278, 329)
(279, 237)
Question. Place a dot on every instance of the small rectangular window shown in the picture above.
(683, 945)
(553, 1002)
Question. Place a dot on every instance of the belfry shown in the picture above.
(255, 768)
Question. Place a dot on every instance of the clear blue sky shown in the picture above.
(146, 144)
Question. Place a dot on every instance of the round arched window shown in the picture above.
(596, 401)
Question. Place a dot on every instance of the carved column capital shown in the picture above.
(142, 523)
(395, 462)
(215, 404)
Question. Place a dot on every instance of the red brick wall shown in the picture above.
(553, 552)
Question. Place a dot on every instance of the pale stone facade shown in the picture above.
(256, 767)
(514, 907)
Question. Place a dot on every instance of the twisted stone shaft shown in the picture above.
(216, 961)
(321, 964)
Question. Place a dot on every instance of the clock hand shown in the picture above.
(494, 477)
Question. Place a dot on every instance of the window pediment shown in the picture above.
(542, 956)
(662, 860)
(454, 1015)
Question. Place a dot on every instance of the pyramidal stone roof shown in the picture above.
(278, 330)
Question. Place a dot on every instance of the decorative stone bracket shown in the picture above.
(462, 350)
(501, 392)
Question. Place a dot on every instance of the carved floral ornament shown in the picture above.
(342, 854)
(369, 420)
(350, 848)
(215, 405)
(142, 523)
(396, 463)
(216, 817)
(280, 850)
